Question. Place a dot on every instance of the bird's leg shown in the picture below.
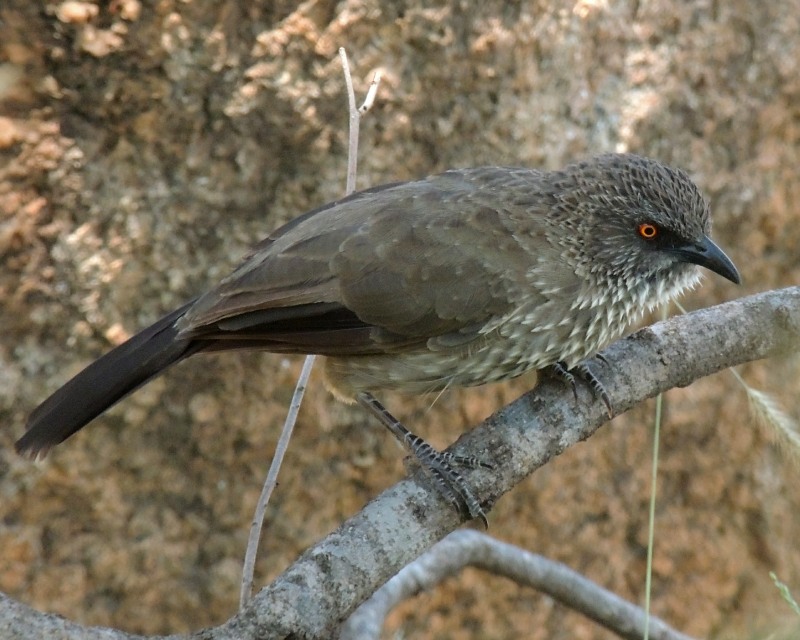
(583, 372)
(437, 463)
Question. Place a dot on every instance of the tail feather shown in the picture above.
(104, 383)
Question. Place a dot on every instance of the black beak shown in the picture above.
(707, 254)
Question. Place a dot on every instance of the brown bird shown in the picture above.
(463, 278)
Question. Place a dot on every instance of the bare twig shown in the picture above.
(269, 484)
(355, 121)
(355, 118)
(472, 548)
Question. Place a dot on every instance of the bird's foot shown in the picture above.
(438, 464)
(583, 372)
(470, 462)
(449, 481)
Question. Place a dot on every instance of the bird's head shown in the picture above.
(643, 222)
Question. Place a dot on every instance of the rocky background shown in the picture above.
(144, 145)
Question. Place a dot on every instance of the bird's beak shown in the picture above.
(707, 254)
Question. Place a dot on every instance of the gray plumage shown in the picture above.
(466, 277)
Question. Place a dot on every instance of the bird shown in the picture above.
(462, 278)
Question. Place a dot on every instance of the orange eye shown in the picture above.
(648, 231)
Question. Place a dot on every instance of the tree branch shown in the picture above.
(471, 548)
(313, 596)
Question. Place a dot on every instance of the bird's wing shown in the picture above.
(383, 269)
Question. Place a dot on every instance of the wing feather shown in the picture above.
(387, 267)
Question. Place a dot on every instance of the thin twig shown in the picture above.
(355, 121)
(355, 118)
(257, 524)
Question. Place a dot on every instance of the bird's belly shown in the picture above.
(494, 358)
(420, 372)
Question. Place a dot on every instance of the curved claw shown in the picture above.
(602, 359)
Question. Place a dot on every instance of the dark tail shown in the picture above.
(104, 383)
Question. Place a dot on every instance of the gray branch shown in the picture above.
(325, 585)
(466, 548)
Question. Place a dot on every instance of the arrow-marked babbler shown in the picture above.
(462, 278)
